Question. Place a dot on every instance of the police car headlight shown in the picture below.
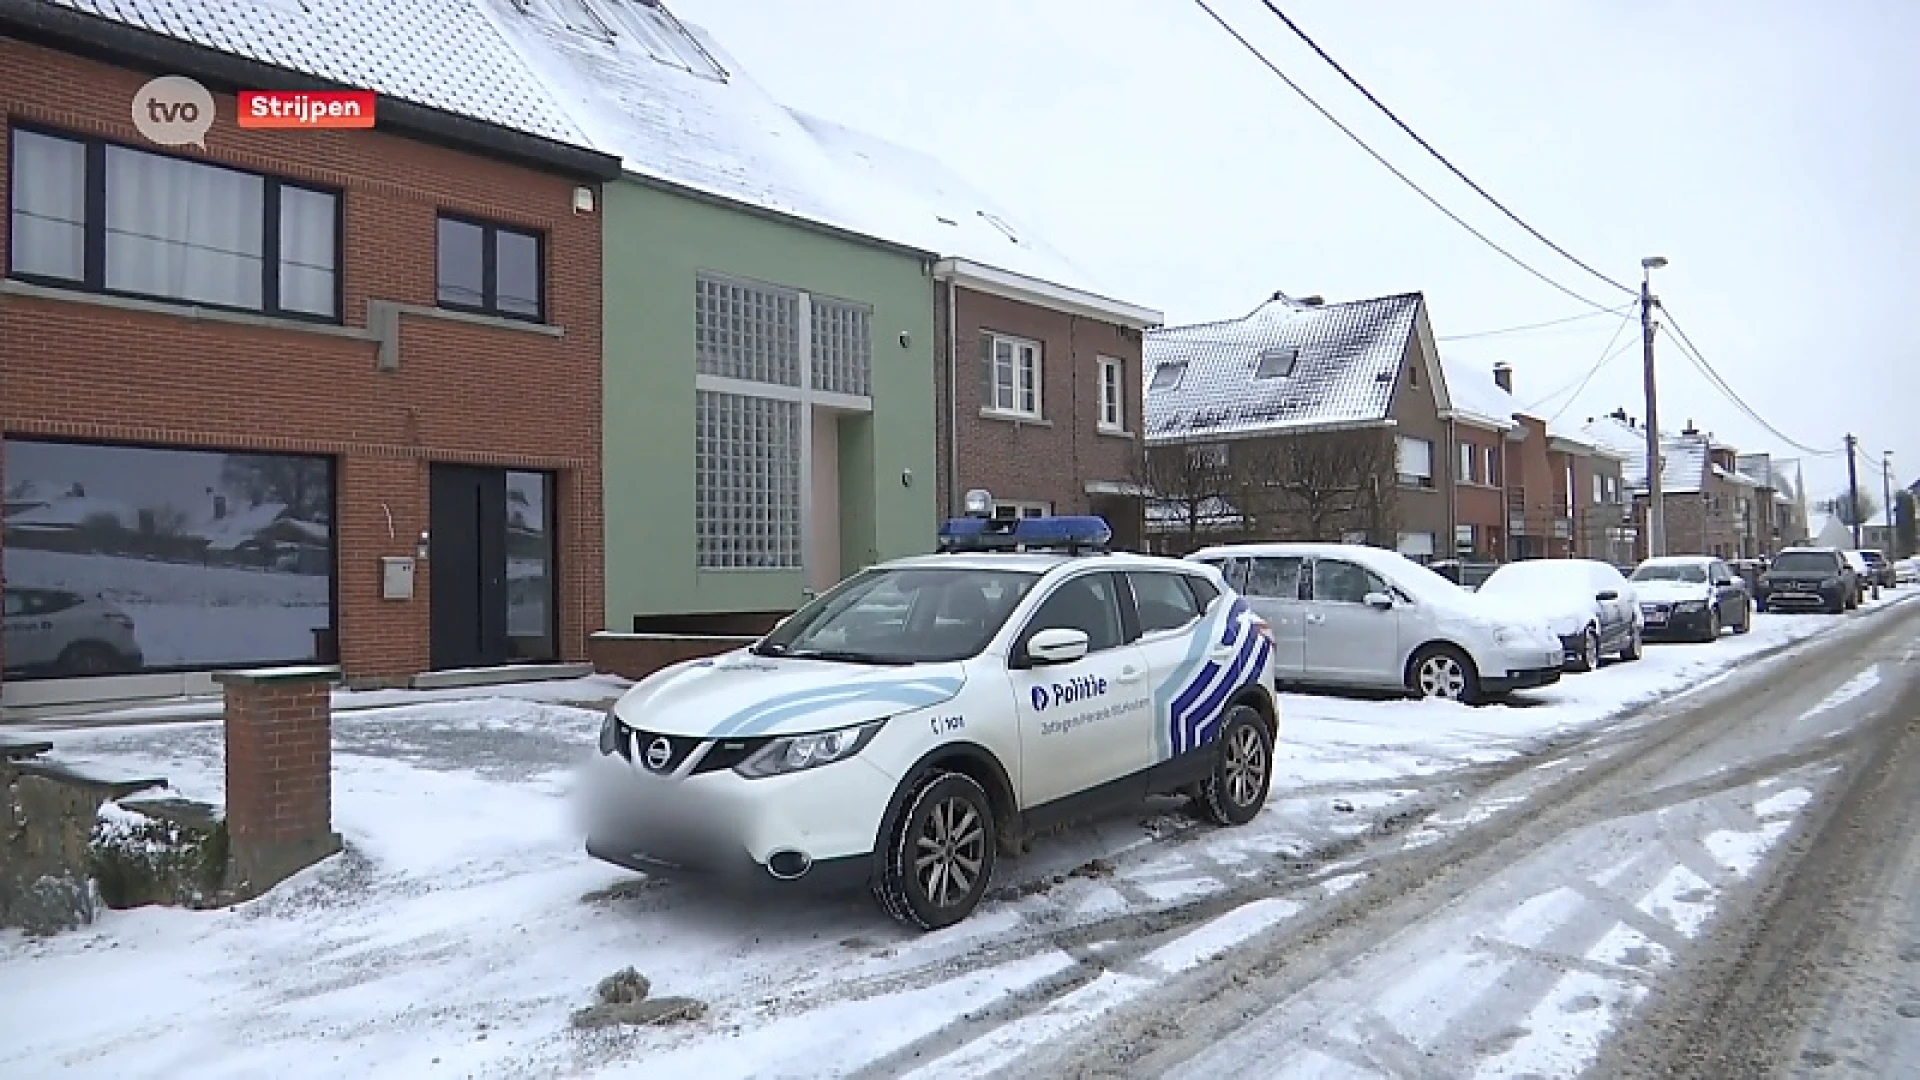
(798, 752)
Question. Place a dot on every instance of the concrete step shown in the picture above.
(461, 678)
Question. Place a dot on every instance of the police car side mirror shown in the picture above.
(1056, 646)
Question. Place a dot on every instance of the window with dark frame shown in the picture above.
(490, 269)
(97, 216)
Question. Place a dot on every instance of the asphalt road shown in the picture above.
(1725, 885)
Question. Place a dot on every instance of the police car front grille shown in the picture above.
(641, 744)
(727, 753)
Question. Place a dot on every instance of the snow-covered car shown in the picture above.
(1348, 616)
(1691, 597)
(61, 633)
(1589, 604)
(929, 712)
(1907, 572)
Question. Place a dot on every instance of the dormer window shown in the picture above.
(1277, 363)
(1167, 376)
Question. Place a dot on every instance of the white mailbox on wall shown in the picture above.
(396, 577)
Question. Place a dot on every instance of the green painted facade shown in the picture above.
(656, 242)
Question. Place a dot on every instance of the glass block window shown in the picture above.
(842, 347)
(746, 482)
(745, 331)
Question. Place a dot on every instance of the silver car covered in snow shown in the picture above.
(1353, 617)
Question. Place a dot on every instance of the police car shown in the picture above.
(930, 713)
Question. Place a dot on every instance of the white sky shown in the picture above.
(1767, 148)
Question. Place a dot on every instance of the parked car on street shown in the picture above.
(1907, 572)
(1864, 583)
(1809, 579)
(54, 632)
(1589, 604)
(1691, 597)
(1348, 616)
(1879, 570)
(1467, 575)
(929, 712)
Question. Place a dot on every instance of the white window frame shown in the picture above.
(1416, 545)
(1016, 378)
(1207, 456)
(1113, 395)
(1466, 538)
(1467, 456)
(1011, 509)
(1423, 476)
(1493, 466)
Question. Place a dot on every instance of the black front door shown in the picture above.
(467, 566)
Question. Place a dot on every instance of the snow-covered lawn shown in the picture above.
(464, 925)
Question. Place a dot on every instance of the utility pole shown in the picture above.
(1656, 499)
(1853, 493)
(1886, 495)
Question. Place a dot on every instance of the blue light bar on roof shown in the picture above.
(1073, 533)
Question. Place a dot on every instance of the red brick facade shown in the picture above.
(1480, 494)
(1053, 459)
(471, 391)
(279, 771)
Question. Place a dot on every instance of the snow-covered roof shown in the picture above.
(1288, 366)
(244, 526)
(625, 78)
(73, 511)
(440, 53)
(1477, 398)
(1684, 458)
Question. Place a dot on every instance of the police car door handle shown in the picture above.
(1129, 674)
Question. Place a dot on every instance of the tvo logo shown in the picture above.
(1080, 688)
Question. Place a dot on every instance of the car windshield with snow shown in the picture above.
(1589, 604)
(1352, 616)
(929, 713)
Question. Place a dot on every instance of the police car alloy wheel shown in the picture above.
(1237, 788)
(940, 854)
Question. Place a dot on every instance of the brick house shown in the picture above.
(1302, 420)
(1481, 422)
(1780, 511)
(298, 396)
(1591, 496)
(1709, 503)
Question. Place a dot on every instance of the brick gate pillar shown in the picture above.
(279, 730)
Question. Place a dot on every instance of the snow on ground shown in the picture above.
(264, 616)
(464, 924)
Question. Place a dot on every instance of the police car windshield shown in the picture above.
(916, 616)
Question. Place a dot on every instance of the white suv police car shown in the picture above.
(931, 712)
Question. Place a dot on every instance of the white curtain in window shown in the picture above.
(183, 230)
(1416, 457)
(49, 206)
(308, 236)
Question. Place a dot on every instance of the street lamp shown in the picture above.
(1886, 495)
(1656, 508)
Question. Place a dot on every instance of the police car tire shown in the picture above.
(1213, 801)
(895, 886)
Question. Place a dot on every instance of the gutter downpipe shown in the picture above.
(953, 397)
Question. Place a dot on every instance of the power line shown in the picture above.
(1678, 335)
(1437, 155)
(1384, 163)
(1534, 326)
(1607, 356)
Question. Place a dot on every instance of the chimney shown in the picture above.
(1503, 375)
(1315, 300)
(1620, 415)
(1689, 430)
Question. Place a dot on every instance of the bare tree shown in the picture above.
(1320, 486)
(1189, 490)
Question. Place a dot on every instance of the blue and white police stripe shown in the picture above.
(1195, 698)
(763, 716)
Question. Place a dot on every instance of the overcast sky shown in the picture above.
(1769, 149)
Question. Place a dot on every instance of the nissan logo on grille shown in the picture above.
(659, 752)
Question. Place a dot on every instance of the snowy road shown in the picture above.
(1488, 885)
(1510, 935)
